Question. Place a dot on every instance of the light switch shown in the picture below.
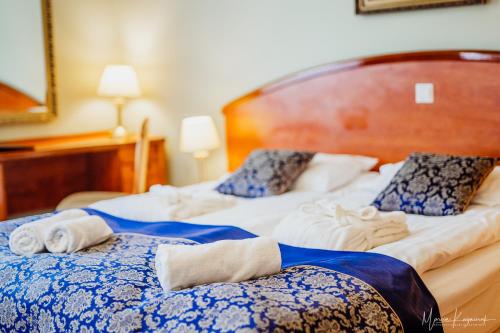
(424, 93)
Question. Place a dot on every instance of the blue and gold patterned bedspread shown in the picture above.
(113, 287)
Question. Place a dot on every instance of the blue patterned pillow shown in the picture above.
(435, 185)
(265, 173)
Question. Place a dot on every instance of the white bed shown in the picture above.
(456, 256)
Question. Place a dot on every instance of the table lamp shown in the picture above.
(119, 82)
(199, 136)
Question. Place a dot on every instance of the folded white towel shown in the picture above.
(183, 266)
(29, 238)
(326, 225)
(183, 204)
(76, 234)
(171, 195)
(389, 228)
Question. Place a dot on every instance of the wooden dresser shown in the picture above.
(36, 174)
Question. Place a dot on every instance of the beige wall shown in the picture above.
(193, 56)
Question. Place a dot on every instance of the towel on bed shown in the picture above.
(184, 204)
(29, 238)
(326, 225)
(76, 234)
(183, 266)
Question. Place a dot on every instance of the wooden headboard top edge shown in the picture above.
(343, 65)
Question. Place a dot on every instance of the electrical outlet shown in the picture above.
(424, 93)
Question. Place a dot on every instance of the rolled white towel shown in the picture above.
(76, 234)
(183, 266)
(29, 238)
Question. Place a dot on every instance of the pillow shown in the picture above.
(385, 175)
(265, 173)
(366, 162)
(389, 170)
(327, 172)
(436, 185)
(489, 192)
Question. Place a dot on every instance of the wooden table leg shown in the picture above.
(3, 194)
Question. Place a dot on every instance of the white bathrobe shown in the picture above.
(326, 225)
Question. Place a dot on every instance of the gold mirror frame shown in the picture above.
(51, 102)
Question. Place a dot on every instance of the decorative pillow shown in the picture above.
(436, 185)
(265, 173)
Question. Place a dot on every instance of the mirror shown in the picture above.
(27, 78)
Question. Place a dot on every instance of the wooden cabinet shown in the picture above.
(36, 174)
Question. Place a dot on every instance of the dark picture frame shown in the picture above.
(372, 6)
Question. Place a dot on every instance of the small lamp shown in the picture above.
(199, 136)
(119, 82)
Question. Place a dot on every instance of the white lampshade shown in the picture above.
(119, 81)
(198, 135)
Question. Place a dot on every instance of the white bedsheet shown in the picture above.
(259, 216)
(457, 256)
(433, 241)
(155, 206)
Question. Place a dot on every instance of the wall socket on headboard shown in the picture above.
(424, 93)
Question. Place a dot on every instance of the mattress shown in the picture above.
(468, 287)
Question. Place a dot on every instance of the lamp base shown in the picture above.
(200, 154)
(119, 132)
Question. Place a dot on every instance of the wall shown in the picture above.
(22, 65)
(194, 56)
(88, 34)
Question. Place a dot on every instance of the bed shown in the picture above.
(367, 106)
(363, 106)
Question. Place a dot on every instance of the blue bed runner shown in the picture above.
(113, 287)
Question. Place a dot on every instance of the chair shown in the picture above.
(84, 199)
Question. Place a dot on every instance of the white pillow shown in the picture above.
(389, 170)
(383, 178)
(327, 172)
(489, 192)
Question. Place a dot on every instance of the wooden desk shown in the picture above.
(37, 179)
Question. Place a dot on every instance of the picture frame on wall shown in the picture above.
(378, 6)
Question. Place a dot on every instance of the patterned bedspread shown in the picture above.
(113, 287)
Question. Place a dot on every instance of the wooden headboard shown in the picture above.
(367, 106)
